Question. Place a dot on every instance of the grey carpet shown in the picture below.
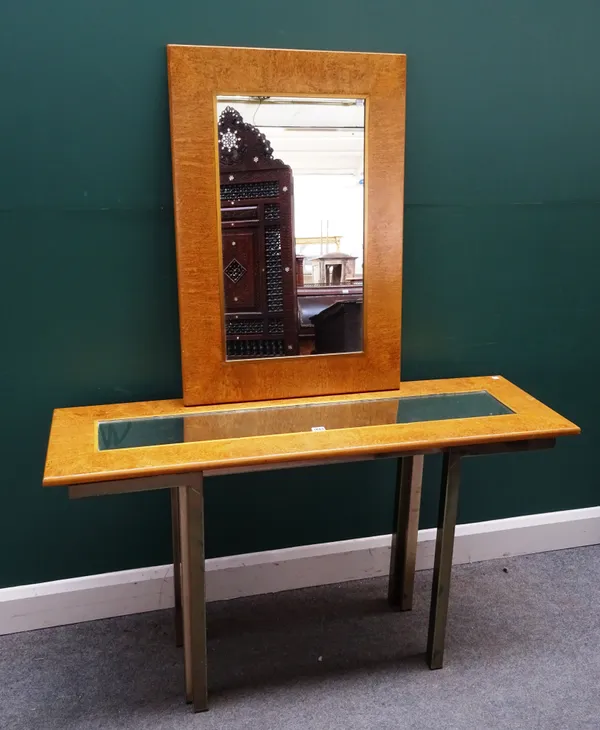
(523, 651)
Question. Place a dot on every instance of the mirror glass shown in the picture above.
(291, 175)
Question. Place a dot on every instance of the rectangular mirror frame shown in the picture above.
(197, 74)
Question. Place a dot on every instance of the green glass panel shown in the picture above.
(153, 431)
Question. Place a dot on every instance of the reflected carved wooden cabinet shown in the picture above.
(257, 239)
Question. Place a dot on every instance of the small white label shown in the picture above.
(318, 428)
(345, 291)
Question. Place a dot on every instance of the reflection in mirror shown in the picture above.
(292, 220)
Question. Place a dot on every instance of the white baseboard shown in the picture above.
(24, 608)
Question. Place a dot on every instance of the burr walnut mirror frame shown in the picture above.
(255, 299)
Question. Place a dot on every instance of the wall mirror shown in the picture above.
(291, 179)
(288, 172)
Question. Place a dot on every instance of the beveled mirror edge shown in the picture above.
(195, 79)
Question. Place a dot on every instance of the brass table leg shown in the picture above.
(442, 568)
(185, 591)
(176, 565)
(193, 594)
(406, 529)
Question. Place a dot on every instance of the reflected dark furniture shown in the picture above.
(314, 299)
(339, 328)
(258, 245)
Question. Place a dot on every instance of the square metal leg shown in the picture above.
(442, 568)
(191, 501)
(176, 565)
(409, 480)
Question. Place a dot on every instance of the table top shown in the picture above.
(104, 443)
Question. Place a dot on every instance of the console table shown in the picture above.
(99, 450)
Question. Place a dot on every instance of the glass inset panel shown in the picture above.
(212, 426)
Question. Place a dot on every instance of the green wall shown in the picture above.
(502, 252)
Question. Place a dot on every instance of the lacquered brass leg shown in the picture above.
(406, 529)
(442, 568)
(185, 591)
(176, 565)
(194, 599)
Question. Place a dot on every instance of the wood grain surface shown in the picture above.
(241, 424)
(196, 76)
(73, 456)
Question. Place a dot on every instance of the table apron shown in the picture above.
(166, 481)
